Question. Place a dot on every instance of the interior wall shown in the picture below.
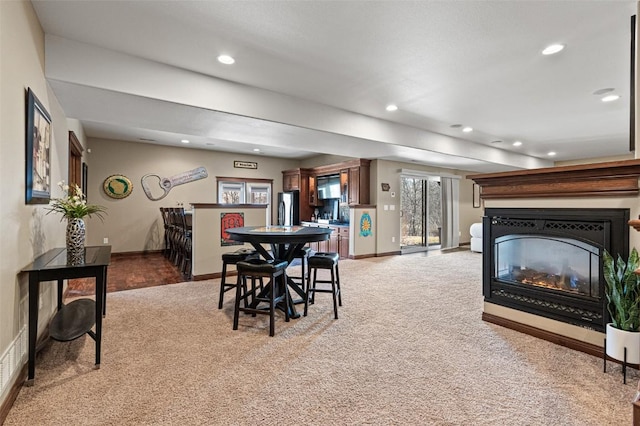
(134, 224)
(388, 228)
(27, 230)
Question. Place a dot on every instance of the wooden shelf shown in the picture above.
(610, 179)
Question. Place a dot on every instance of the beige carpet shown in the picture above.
(409, 348)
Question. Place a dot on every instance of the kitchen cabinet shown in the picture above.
(313, 192)
(358, 186)
(343, 242)
(298, 180)
(291, 180)
(338, 241)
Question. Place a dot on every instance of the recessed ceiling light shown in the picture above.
(226, 59)
(603, 91)
(517, 143)
(392, 107)
(552, 49)
(185, 141)
(467, 129)
(610, 98)
(256, 149)
(551, 153)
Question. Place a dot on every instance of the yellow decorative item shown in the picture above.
(117, 186)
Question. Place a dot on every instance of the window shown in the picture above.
(245, 191)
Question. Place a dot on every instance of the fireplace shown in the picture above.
(548, 262)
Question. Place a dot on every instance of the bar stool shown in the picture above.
(328, 261)
(258, 268)
(232, 258)
(302, 254)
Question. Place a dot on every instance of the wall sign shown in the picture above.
(227, 221)
(245, 165)
(117, 186)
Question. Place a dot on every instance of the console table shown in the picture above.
(78, 317)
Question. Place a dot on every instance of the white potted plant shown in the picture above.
(623, 303)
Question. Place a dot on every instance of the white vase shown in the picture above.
(75, 241)
(618, 339)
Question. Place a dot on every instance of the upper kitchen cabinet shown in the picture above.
(291, 180)
(354, 179)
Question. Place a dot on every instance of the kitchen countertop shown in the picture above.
(335, 223)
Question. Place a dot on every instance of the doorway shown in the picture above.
(420, 214)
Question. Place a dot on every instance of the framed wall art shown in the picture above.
(477, 201)
(227, 221)
(38, 152)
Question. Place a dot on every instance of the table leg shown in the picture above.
(34, 290)
(60, 285)
(100, 296)
(104, 294)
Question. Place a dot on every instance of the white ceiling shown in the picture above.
(314, 77)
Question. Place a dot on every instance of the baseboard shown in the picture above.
(362, 256)
(13, 394)
(212, 276)
(558, 339)
(134, 253)
(389, 253)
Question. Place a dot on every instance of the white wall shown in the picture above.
(26, 230)
(134, 224)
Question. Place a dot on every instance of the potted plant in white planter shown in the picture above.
(623, 302)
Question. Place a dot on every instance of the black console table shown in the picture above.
(78, 317)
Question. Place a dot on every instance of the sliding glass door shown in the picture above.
(420, 213)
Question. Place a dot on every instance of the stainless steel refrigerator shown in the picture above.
(289, 208)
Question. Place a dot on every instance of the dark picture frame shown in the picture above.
(38, 151)
(85, 178)
(477, 202)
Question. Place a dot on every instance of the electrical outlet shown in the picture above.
(105, 240)
(393, 239)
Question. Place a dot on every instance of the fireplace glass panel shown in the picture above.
(562, 264)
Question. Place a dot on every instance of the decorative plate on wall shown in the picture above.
(117, 186)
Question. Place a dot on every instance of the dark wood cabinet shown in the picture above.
(358, 186)
(313, 192)
(291, 180)
(343, 242)
(338, 241)
(298, 180)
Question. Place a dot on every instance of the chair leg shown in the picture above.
(333, 291)
(286, 298)
(236, 309)
(272, 309)
(306, 296)
(338, 284)
(223, 283)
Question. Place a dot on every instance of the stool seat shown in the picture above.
(259, 267)
(232, 258)
(238, 255)
(302, 252)
(323, 260)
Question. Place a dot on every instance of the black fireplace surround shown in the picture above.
(548, 262)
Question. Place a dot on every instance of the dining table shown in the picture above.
(284, 242)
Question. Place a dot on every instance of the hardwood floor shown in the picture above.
(129, 271)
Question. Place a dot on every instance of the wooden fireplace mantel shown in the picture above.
(610, 179)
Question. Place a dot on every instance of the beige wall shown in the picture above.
(134, 223)
(26, 230)
(388, 227)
